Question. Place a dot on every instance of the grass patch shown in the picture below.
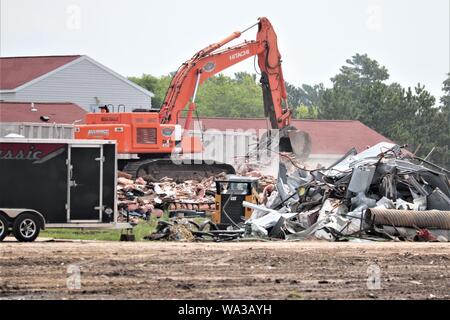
(144, 228)
(295, 295)
(140, 231)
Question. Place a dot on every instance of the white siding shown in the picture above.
(37, 130)
(10, 96)
(80, 83)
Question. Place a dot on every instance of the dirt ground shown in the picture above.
(276, 270)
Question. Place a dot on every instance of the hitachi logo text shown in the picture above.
(239, 54)
(98, 132)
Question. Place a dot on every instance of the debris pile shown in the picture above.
(140, 199)
(380, 193)
(187, 230)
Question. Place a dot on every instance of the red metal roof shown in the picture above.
(328, 136)
(60, 112)
(16, 71)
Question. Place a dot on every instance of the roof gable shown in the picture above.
(17, 71)
(118, 76)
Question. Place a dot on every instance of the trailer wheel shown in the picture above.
(3, 228)
(26, 227)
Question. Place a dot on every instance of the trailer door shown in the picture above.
(85, 183)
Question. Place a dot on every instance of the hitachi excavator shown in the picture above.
(146, 139)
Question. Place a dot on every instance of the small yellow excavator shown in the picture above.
(230, 194)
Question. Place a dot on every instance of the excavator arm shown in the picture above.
(214, 59)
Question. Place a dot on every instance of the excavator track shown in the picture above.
(156, 169)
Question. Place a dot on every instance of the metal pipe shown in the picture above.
(197, 82)
(430, 153)
(245, 30)
(192, 105)
(253, 206)
(228, 39)
(409, 218)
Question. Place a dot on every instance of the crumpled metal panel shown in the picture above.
(361, 178)
(438, 201)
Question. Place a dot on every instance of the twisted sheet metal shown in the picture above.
(409, 218)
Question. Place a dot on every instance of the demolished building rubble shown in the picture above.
(142, 198)
(383, 193)
(380, 193)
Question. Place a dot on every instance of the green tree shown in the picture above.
(441, 137)
(304, 100)
(157, 85)
(357, 91)
(306, 112)
(406, 116)
(223, 96)
(445, 99)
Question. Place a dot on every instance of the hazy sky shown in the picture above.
(409, 37)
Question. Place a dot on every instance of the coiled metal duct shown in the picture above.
(409, 218)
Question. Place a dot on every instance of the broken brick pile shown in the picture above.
(141, 199)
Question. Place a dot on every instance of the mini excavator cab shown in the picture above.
(230, 194)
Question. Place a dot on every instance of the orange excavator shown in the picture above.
(146, 139)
